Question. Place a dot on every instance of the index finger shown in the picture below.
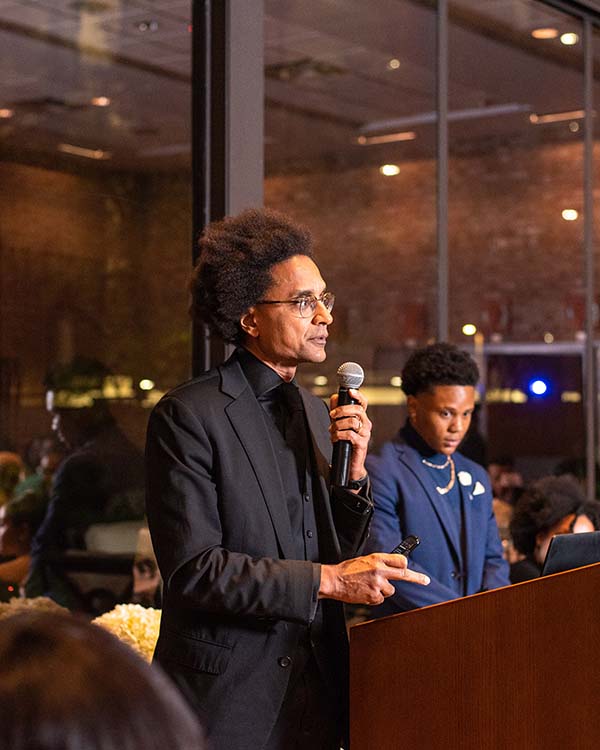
(399, 570)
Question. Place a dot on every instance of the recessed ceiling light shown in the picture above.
(100, 101)
(544, 33)
(6, 114)
(574, 127)
(393, 64)
(389, 170)
(469, 329)
(150, 25)
(570, 38)
(570, 214)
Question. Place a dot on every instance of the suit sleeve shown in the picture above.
(183, 506)
(496, 568)
(386, 532)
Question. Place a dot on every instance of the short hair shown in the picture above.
(29, 507)
(67, 685)
(541, 506)
(438, 364)
(234, 267)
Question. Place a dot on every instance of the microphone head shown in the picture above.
(350, 375)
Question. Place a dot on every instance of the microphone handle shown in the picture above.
(342, 449)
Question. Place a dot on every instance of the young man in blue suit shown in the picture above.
(423, 486)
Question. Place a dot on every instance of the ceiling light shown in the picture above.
(393, 64)
(389, 170)
(469, 329)
(570, 38)
(6, 114)
(87, 153)
(100, 101)
(146, 384)
(575, 114)
(396, 381)
(150, 25)
(544, 33)
(373, 140)
(570, 214)
(320, 380)
(573, 127)
(548, 338)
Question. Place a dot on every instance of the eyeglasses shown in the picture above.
(307, 305)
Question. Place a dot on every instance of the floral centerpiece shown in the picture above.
(135, 625)
(17, 606)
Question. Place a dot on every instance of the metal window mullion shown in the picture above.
(442, 170)
(589, 265)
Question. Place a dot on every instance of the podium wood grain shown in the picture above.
(516, 668)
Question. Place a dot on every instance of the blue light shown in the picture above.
(538, 387)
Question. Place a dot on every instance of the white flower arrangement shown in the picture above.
(17, 606)
(135, 625)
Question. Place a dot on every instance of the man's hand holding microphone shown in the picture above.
(367, 579)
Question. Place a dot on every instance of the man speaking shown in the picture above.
(255, 550)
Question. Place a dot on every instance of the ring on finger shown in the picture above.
(360, 424)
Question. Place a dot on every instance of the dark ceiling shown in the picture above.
(329, 78)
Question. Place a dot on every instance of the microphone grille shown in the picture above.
(350, 375)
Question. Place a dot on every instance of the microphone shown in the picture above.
(349, 375)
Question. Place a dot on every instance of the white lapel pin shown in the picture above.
(479, 489)
(465, 478)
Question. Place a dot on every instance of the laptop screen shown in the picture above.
(568, 551)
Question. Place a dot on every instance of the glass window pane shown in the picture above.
(516, 220)
(350, 152)
(95, 213)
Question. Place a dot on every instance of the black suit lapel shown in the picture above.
(321, 449)
(247, 419)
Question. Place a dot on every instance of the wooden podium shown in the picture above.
(517, 668)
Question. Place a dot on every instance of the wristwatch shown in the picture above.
(358, 484)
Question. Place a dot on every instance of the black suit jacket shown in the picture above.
(235, 601)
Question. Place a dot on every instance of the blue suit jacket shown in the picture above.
(407, 502)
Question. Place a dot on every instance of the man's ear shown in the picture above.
(411, 407)
(248, 323)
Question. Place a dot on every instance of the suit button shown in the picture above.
(284, 661)
(454, 574)
(306, 498)
(309, 534)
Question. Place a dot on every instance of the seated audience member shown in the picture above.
(12, 470)
(587, 517)
(100, 481)
(42, 458)
(423, 486)
(69, 685)
(506, 482)
(546, 507)
(20, 518)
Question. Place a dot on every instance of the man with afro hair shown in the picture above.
(423, 486)
(256, 553)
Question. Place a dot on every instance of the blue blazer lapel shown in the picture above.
(247, 419)
(412, 460)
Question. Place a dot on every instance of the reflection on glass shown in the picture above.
(349, 151)
(95, 211)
